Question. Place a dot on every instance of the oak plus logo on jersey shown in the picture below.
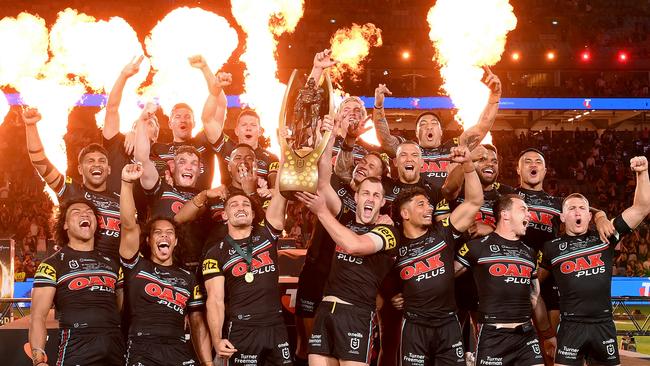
(93, 283)
(262, 263)
(542, 221)
(342, 254)
(512, 272)
(167, 296)
(584, 266)
(423, 269)
(436, 169)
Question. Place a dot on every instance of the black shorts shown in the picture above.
(259, 343)
(90, 347)
(594, 341)
(508, 347)
(550, 293)
(310, 290)
(425, 343)
(466, 292)
(343, 331)
(151, 351)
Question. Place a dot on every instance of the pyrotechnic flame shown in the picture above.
(24, 41)
(350, 46)
(263, 21)
(468, 34)
(182, 33)
(96, 51)
(4, 106)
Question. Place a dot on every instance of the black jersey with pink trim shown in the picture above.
(85, 285)
(166, 201)
(263, 294)
(545, 213)
(356, 279)
(502, 271)
(582, 268)
(267, 162)
(485, 214)
(163, 153)
(158, 297)
(108, 210)
(426, 267)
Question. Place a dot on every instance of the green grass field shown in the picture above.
(642, 343)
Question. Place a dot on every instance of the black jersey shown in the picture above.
(502, 271)
(436, 161)
(243, 298)
(485, 214)
(267, 162)
(545, 213)
(108, 210)
(321, 246)
(357, 279)
(158, 297)
(582, 267)
(426, 267)
(165, 201)
(85, 285)
(394, 187)
(117, 159)
(162, 154)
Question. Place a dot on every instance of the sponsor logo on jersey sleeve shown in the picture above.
(387, 235)
(210, 266)
(274, 166)
(197, 293)
(463, 250)
(47, 271)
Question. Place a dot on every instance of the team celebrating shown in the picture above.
(415, 243)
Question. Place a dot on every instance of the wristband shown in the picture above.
(346, 147)
(126, 181)
(379, 107)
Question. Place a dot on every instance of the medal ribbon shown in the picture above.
(248, 256)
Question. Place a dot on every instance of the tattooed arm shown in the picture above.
(474, 135)
(388, 142)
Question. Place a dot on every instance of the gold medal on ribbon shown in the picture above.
(249, 277)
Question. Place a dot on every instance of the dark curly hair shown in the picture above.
(403, 198)
(178, 257)
(60, 233)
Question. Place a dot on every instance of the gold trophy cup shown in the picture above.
(299, 142)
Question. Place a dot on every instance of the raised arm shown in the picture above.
(640, 208)
(275, 213)
(112, 119)
(465, 214)
(322, 61)
(352, 243)
(130, 233)
(214, 109)
(388, 142)
(150, 175)
(325, 171)
(474, 135)
(44, 167)
(42, 299)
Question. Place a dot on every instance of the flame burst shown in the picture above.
(26, 37)
(182, 33)
(350, 46)
(263, 22)
(465, 40)
(4, 106)
(96, 51)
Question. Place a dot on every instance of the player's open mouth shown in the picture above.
(430, 135)
(248, 136)
(96, 172)
(163, 247)
(241, 214)
(361, 172)
(578, 221)
(84, 223)
(428, 216)
(367, 208)
(533, 172)
(525, 222)
(409, 167)
(187, 175)
(488, 171)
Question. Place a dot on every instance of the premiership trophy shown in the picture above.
(300, 144)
